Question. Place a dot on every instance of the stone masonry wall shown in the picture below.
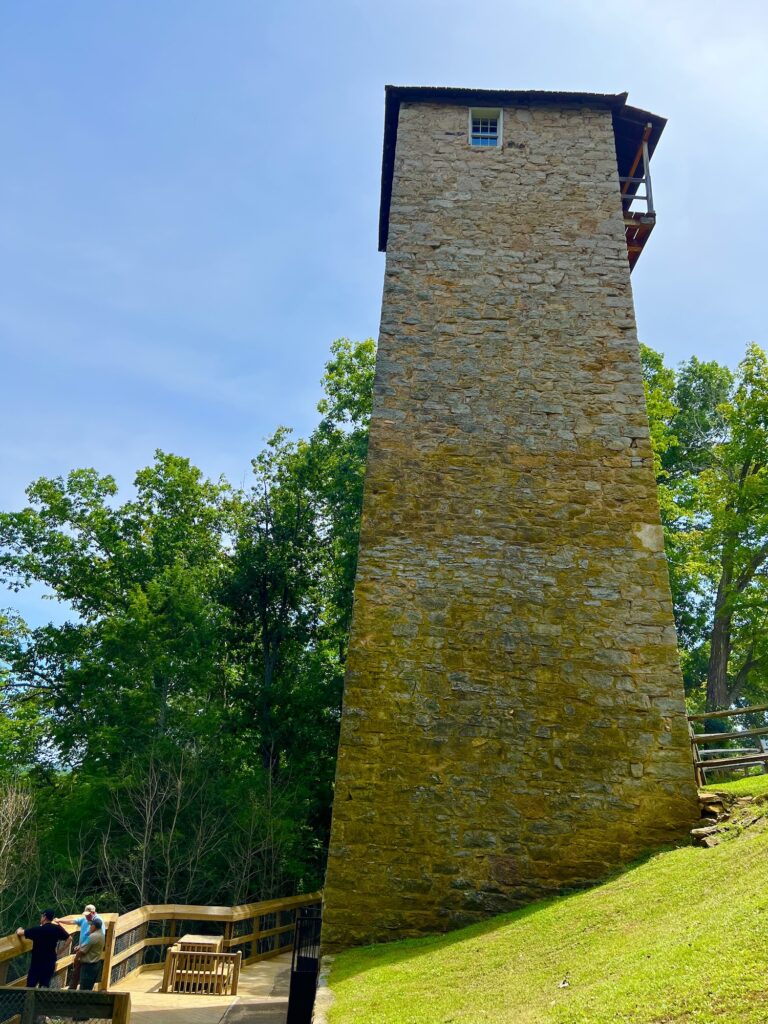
(513, 718)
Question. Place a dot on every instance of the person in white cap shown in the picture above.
(84, 923)
(90, 954)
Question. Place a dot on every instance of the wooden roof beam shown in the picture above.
(638, 157)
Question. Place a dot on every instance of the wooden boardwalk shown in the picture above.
(262, 998)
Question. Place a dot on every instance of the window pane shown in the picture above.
(484, 130)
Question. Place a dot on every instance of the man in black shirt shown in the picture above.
(44, 938)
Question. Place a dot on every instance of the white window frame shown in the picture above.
(486, 112)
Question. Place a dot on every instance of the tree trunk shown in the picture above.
(268, 756)
(718, 690)
(163, 686)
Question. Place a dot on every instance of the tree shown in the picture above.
(170, 825)
(711, 441)
(137, 659)
(181, 725)
(272, 587)
(18, 848)
(341, 446)
(289, 585)
(731, 499)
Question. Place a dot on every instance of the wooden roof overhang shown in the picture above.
(631, 127)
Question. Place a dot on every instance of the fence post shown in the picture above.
(109, 950)
(168, 968)
(121, 1008)
(236, 974)
(172, 930)
(28, 1013)
(256, 935)
(698, 774)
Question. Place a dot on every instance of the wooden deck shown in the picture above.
(140, 938)
(262, 997)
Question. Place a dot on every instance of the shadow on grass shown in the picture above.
(363, 958)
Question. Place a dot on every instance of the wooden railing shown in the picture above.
(13, 957)
(734, 757)
(137, 941)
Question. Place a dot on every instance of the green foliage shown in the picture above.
(179, 729)
(659, 384)
(698, 423)
(137, 660)
(709, 428)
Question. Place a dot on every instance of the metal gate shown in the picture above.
(305, 967)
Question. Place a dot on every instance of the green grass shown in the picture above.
(680, 939)
(752, 785)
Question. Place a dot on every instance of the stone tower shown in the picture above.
(513, 717)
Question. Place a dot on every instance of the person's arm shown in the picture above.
(70, 920)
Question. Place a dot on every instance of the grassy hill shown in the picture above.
(680, 939)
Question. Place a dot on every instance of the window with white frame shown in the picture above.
(485, 127)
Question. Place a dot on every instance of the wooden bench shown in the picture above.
(201, 943)
(201, 972)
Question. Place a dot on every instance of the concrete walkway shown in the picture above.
(262, 998)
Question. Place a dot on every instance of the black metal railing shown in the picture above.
(305, 967)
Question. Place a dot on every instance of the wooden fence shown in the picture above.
(137, 941)
(705, 760)
(13, 956)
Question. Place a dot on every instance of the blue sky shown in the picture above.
(189, 200)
